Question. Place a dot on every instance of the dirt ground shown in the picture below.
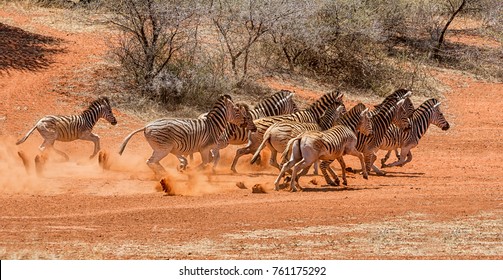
(446, 204)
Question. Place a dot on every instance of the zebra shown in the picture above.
(382, 116)
(311, 114)
(185, 136)
(279, 103)
(327, 146)
(277, 135)
(69, 128)
(426, 114)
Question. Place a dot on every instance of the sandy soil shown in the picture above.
(446, 204)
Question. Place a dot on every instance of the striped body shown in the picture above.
(327, 146)
(280, 103)
(426, 114)
(277, 135)
(70, 128)
(182, 137)
(389, 111)
(310, 115)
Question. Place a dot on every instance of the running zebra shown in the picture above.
(426, 114)
(327, 146)
(280, 103)
(70, 128)
(181, 137)
(311, 114)
(277, 135)
(389, 111)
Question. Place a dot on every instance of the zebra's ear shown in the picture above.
(400, 102)
(407, 94)
(339, 96)
(364, 112)
(436, 105)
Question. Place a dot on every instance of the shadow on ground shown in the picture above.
(25, 51)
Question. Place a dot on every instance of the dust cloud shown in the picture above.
(110, 174)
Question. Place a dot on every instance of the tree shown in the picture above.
(241, 24)
(454, 8)
(151, 33)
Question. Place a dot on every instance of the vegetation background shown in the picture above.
(175, 55)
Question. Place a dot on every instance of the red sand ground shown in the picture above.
(447, 203)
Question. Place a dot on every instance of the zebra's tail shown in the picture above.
(123, 145)
(26, 136)
(256, 155)
(289, 149)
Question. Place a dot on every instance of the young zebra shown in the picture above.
(426, 114)
(185, 136)
(277, 135)
(389, 111)
(327, 146)
(70, 128)
(279, 103)
(311, 114)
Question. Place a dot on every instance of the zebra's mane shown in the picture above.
(350, 118)
(394, 97)
(427, 105)
(97, 103)
(282, 95)
(219, 105)
(334, 95)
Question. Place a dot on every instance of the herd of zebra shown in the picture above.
(323, 132)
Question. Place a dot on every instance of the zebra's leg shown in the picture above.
(216, 158)
(302, 164)
(153, 162)
(397, 154)
(370, 162)
(287, 166)
(361, 157)
(315, 167)
(95, 139)
(403, 157)
(183, 163)
(334, 175)
(409, 158)
(206, 156)
(61, 153)
(273, 161)
(385, 158)
(324, 166)
(343, 167)
(47, 146)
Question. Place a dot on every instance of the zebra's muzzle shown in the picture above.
(446, 127)
(113, 122)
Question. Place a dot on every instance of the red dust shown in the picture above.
(445, 204)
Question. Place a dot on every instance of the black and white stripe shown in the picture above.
(182, 137)
(311, 114)
(327, 146)
(426, 114)
(277, 135)
(390, 110)
(69, 128)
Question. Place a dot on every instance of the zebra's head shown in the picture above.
(401, 116)
(332, 115)
(365, 123)
(106, 110)
(438, 118)
(232, 111)
(248, 123)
